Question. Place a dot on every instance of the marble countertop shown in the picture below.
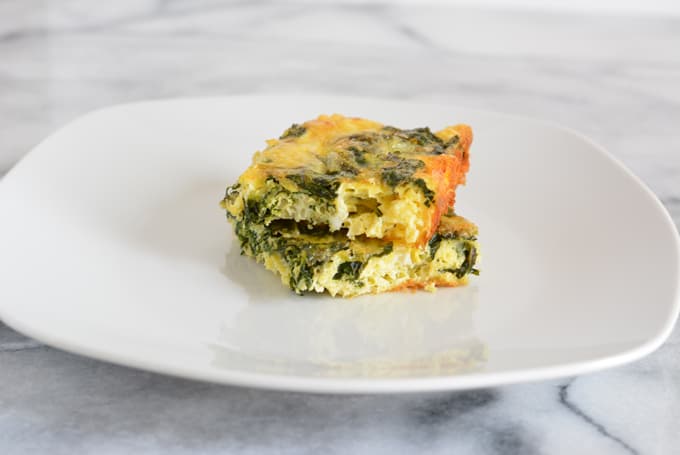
(617, 79)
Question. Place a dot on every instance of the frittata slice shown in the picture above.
(312, 259)
(355, 175)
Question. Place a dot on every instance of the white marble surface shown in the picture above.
(616, 79)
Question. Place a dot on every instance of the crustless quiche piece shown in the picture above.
(356, 176)
(313, 259)
(349, 206)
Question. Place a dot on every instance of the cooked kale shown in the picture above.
(386, 250)
(349, 270)
(453, 141)
(433, 244)
(305, 261)
(418, 136)
(346, 169)
(231, 194)
(302, 271)
(231, 190)
(470, 258)
(358, 155)
(302, 258)
(470, 253)
(321, 230)
(253, 238)
(256, 211)
(402, 172)
(295, 130)
(428, 193)
(320, 185)
(436, 240)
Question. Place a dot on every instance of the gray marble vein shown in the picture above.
(615, 78)
(574, 408)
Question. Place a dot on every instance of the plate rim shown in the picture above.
(467, 381)
(348, 386)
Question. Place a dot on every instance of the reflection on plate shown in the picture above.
(382, 335)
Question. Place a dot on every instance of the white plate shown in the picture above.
(113, 246)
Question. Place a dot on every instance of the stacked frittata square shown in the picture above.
(350, 206)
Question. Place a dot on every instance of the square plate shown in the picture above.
(114, 246)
